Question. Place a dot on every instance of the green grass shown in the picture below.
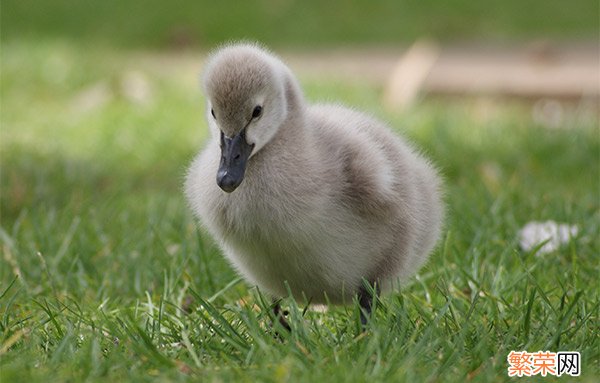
(115, 282)
(284, 23)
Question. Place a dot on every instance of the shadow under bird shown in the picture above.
(319, 198)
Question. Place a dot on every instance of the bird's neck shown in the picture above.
(293, 95)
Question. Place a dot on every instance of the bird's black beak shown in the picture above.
(235, 152)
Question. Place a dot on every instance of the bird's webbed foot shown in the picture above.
(367, 296)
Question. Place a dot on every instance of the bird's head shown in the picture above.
(246, 105)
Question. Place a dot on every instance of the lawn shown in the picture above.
(105, 277)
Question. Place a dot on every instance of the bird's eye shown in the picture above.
(257, 111)
(212, 111)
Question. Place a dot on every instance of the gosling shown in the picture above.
(319, 199)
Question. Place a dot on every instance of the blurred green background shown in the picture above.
(159, 24)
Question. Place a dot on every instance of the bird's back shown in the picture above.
(394, 192)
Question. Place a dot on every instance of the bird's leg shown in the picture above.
(366, 299)
(280, 315)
